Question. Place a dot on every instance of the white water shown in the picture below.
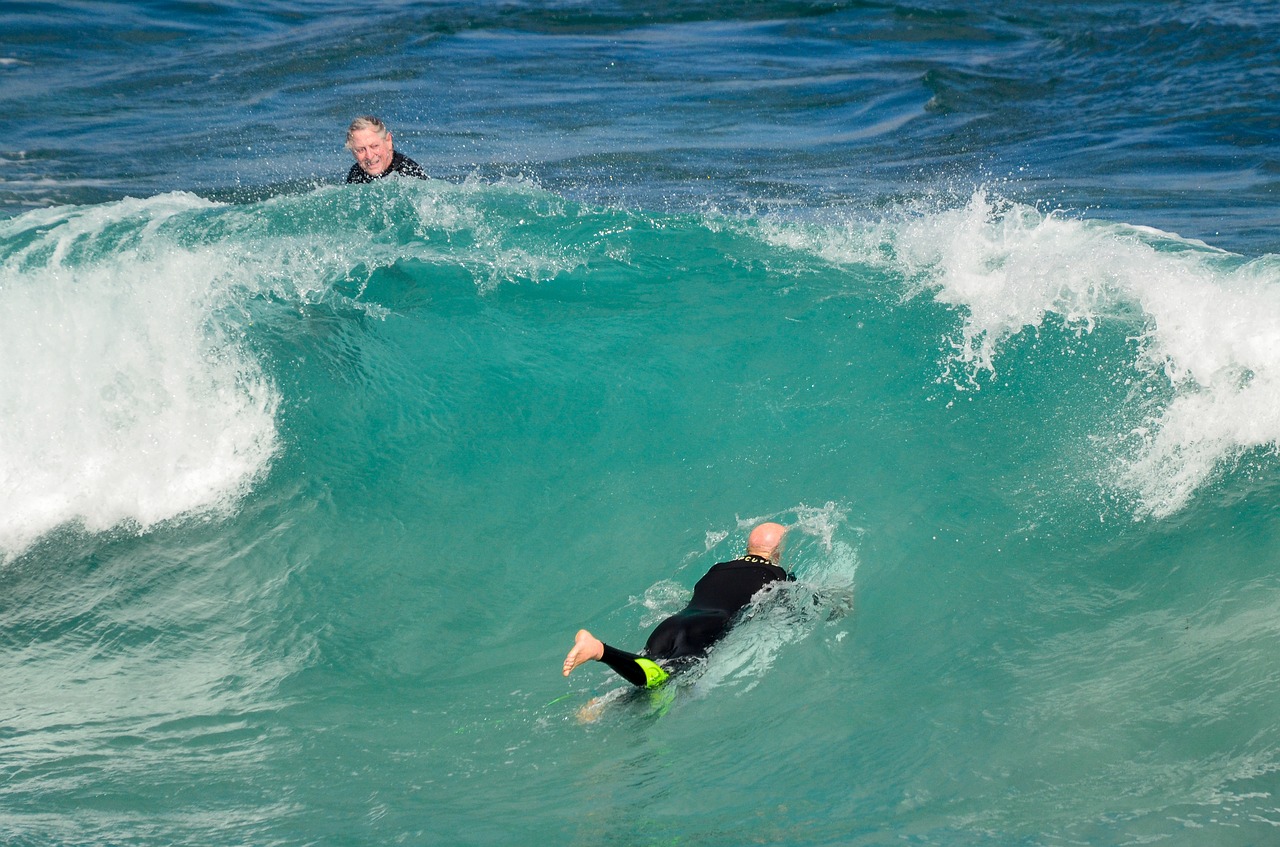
(123, 401)
(1205, 377)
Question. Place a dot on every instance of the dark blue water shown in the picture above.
(1154, 115)
(305, 487)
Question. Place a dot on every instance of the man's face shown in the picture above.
(372, 151)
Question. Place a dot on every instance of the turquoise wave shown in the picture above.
(188, 323)
(304, 498)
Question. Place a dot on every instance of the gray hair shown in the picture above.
(366, 122)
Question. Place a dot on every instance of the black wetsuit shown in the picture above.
(400, 164)
(717, 599)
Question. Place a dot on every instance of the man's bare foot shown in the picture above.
(585, 648)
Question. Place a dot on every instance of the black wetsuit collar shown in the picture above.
(755, 560)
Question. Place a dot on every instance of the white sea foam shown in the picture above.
(1209, 324)
(126, 398)
(123, 401)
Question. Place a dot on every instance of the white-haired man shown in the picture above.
(370, 142)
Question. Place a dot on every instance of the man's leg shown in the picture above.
(687, 634)
(636, 670)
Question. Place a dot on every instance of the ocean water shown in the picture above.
(306, 487)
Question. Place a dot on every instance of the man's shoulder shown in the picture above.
(751, 563)
(356, 174)
(402, 164)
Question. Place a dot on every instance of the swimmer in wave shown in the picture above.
(688, 634)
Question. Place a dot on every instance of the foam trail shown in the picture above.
(123, 401)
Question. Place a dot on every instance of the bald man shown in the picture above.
(685, 636)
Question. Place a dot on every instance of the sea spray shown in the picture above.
(1206, 321)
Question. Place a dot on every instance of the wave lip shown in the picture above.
(1202, 355)
(124, 398)
(1206, 323)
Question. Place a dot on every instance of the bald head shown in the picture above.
(766, 540)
